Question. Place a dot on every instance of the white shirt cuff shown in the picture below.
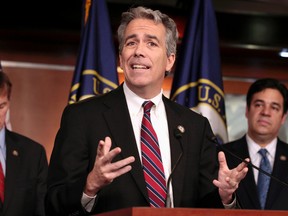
(88, 202)
(231, 205)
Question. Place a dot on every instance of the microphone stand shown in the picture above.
(168, 198)
(214, 140)
(178, 135)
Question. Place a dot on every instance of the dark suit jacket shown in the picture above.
(85, 123)
(247, 191)
(26, 174)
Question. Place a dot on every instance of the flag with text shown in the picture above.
(96, 70)
(197, 81)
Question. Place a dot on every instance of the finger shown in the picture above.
(227, 185)
(122, 171)
(107, 145)
(242, 165)
(122, 163)
(123, 166)
(242, 174)
(118, 168)
(239, 175)
(232, 182)
(217, 183)
(222, 160)
(103, 147)
(109, 177)
(107, 158)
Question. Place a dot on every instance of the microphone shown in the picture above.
(178, 132)
(213, 139)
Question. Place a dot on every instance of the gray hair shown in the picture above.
(157, 17)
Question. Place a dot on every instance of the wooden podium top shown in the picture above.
(147, 211)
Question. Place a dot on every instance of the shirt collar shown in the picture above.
(2, 138)
(135, 102)
(254, 147)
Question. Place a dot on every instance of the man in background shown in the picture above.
(266, 111)
(23, 165)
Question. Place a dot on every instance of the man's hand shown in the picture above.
(228, 180)
(104, 172)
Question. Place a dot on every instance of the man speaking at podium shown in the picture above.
(133, 146)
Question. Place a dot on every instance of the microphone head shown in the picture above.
(179, 131)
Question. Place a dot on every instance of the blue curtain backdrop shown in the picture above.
(96, 70)
(197, 81)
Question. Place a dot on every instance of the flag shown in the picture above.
(197, 81)
(7, 118)
(95, 71)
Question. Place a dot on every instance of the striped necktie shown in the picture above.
(263, 180)
(2, 180)
(151, 160)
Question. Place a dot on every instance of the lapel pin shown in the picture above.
(181, 128)
(283, 158)
(15, 153)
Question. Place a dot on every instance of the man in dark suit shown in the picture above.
(96, 164)
(24, 165)
(265, 112)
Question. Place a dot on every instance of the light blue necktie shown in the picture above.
(263, 180)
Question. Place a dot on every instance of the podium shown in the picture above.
(147, 211)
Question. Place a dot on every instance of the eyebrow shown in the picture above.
(262, 101)
(152, 37)
(130, 36)
(258, 100)
(146, 36)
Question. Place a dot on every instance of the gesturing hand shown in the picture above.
(104, 171)
(228, 180)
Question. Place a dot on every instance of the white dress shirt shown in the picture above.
(255, 157)
(3, 150)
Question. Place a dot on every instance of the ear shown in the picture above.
(170, 62)
(284, 118)
(120, 61)
(246, 112)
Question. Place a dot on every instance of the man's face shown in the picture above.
(144, 58)
(4, 106)
(265, 115)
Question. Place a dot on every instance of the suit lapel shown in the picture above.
(174, 120)
(248, 183)
(280, 171)
(118, 120)
(13, 166)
